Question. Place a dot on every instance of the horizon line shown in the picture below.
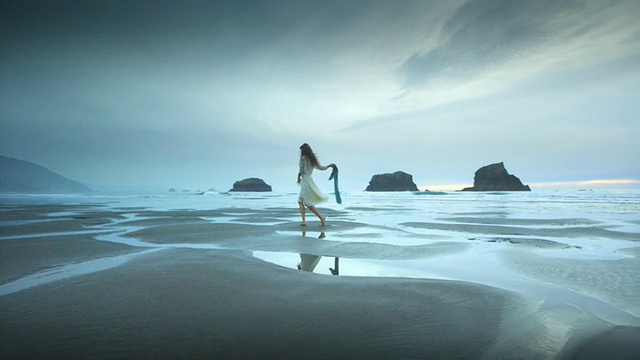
(601, 182)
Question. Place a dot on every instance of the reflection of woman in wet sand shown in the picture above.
(309, 262)
(310, 195)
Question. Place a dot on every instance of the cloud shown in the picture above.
(490, 47)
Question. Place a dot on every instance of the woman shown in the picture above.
(310, 195)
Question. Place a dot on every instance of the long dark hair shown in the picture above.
(305, 150)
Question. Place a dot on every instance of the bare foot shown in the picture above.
(303, 224)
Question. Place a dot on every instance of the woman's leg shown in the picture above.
(315, 211)
(302, 214)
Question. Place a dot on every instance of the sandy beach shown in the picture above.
(111, 280)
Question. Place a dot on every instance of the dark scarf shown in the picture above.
(334, 176)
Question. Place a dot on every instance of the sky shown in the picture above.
(199, 94)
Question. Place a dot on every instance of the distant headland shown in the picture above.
(19, 176)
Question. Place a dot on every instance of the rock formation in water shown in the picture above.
(398, 181)
(495, 177)
(18, 176)
(251, 185)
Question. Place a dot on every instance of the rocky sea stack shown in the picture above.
(251, 185)
(398, 181)
(495, 177)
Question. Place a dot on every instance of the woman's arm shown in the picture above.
(300, 169)
(320, 167)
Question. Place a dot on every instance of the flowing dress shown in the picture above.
(310, 195)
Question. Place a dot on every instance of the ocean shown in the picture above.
(571, 251)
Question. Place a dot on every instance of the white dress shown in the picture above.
(310, 195)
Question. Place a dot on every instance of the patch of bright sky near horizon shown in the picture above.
(199, 94)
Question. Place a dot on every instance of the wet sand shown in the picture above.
(94, 281)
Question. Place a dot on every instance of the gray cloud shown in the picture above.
(483, 34)
(479, 35)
